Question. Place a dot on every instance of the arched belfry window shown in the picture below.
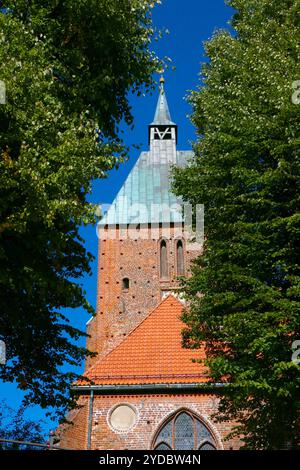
(184, 431)
(180, 258)
(163, 259)
(125, 283)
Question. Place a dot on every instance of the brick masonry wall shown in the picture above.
(152, 411)
(74, 436)
(136, 257)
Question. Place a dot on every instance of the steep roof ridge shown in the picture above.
(131, 333)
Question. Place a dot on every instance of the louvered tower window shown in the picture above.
(184, 431)
(180, 258)
(163, 260)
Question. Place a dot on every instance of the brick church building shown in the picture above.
(146, 390)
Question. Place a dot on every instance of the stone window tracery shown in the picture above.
(184, 431)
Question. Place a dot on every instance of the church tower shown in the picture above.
(142, 250)
(144, 390)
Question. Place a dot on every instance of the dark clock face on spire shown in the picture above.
(162, 133)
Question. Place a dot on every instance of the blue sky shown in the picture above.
(190, 22)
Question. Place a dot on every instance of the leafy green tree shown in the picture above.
(14, 425)
(246, 171)
(68, 67)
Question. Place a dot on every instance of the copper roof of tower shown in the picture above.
(146, 195)
(147, 189)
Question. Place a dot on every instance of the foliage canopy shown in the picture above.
(68, 67)
(246, 172)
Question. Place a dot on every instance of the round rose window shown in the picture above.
(122, 418)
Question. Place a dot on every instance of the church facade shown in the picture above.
(146, 391)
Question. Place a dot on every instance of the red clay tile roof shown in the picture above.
(152, 353)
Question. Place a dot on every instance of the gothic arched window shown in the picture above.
(164, 272)
(180, 258)
(163, 446)
(184, 431)
(207, 446)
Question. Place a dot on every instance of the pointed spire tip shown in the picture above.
(162, 114)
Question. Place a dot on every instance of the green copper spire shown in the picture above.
(162, 114)
(146, 196)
